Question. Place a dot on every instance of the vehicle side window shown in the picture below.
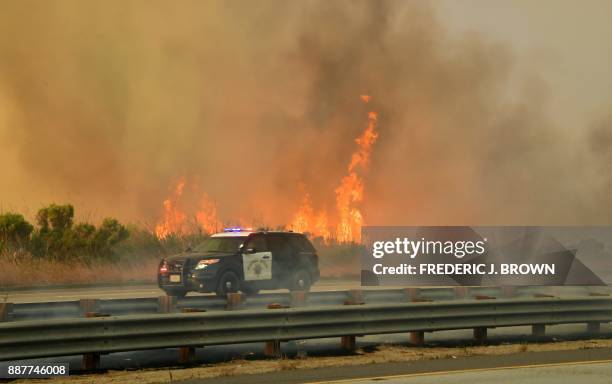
(280, 245)
(301, 244)
(257, 242)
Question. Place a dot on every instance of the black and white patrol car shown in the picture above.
(245, 261)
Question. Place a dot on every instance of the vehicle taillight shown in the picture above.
(163, 267)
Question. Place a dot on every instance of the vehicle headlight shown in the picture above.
(205, 263)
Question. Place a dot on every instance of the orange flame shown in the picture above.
(206, 216)
(306, 220)
(350, 191)
(175, 220)
(349, 195)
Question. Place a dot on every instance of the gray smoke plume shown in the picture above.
(105, 104)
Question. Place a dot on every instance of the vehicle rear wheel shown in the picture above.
(177, 292)
(300, 281)
(229, 282)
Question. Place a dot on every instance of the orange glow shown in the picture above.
(349, 194)
(176, 222)
(306, 220)
(206, 216)
(174, 219)
(303, 217)
(342, 226)
(350, 191)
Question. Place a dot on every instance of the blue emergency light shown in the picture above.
(237, 229)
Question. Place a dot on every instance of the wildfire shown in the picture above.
(176, 222)
(306, 220)
(349, 195)
(174, 219)
(350, 191)
(206, 216)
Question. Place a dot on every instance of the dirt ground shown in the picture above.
(383, 354)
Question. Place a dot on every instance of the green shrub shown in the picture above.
(58, 238)
(55, 217)
(14, 231)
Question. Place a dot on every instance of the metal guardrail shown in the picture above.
(34, 339)
(150, 305)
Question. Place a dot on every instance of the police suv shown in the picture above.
(241, 260)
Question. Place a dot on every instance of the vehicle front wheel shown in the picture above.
(229, 282)
(177, 292)
(301, 281)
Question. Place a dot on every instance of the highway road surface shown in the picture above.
(558, 367)
(128, 292)
(593, 372)
(131, 291)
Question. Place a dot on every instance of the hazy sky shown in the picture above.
(489, 111)
(568, 42)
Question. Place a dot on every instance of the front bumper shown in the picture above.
(200, 281)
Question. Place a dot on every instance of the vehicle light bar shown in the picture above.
(237, 229)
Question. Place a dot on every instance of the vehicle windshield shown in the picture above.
(220, 244)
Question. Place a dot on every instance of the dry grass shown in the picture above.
(30, 271)
(27, 271)
(384, 354)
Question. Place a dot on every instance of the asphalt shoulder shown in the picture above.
(319, 375)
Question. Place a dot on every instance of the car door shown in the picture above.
(283, 254)
(256, 259)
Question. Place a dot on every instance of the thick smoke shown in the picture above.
(106, 104)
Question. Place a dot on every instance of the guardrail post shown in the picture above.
(538, 330)
(417, 338)
(166, 304)
(348, 342)
(355, 297)
(461, 292)
(88, 305)
(508, 291)
(412, 293)
(6, 310)
(234, 301)
(91, 361)
(480, 334)
(297, 298)
(272, 348)
(593, 327)
(187, 354)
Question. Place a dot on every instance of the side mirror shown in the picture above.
(250, 250)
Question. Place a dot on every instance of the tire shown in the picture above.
(229, 282)
(176, 292)
(300, 281)
(249, 290)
